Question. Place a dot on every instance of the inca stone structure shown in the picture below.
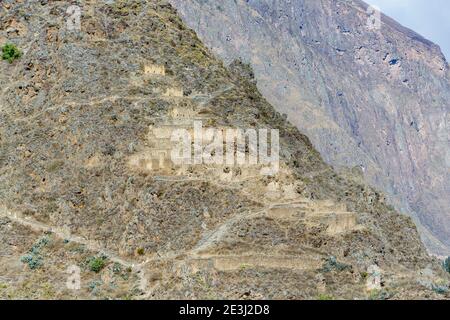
(370, 95)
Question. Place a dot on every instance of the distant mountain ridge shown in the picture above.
(401, 28)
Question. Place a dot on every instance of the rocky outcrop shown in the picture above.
(376, 99)
(86, 188)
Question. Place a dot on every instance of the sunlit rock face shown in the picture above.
(95, 203)
(375, 98)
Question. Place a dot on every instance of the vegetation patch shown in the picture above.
(325, 297)
(10, 52)
(446, 265)
(96, 264)
(382, 294)
(95, 286)
(440, 289)
(33, 261)
(34, 258)
(331, 264)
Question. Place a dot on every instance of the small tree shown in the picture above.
(10, 52)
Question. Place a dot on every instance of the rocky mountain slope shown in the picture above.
(376, 99)
(90, 209)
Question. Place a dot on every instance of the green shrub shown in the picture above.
(37, 247)
(34, 258)
(439, 289)
(10, 52)
(447, 265)
(331, 264)
(96, 264)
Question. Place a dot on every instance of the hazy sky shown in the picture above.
(430, 18)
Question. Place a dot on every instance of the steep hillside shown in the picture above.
(377, 99)
(84, 118)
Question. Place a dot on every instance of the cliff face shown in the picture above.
(84, 191)
(368, 98)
